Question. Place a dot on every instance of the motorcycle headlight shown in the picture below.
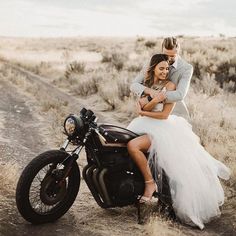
(73, 126)
(70, 126)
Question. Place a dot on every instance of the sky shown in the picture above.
(66, 18)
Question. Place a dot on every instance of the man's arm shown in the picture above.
(182, 87)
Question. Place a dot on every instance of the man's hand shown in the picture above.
(159, 96)
(153, 93)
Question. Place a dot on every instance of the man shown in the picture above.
(180, 73)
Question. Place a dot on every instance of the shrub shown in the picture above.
(140, 39)
(225, 73)
(123, 89)
(150, 44)
(87, 86)
(74, 67)
(134, 68)
(106, 57)
(116, 59)
(108, 94)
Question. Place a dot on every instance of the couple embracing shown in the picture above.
(165, 133)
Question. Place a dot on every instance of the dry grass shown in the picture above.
(161, 227)
(9, 173)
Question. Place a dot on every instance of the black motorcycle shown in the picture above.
(49, 184)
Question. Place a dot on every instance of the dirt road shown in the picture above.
(22, 137)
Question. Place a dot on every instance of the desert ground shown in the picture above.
(42, 80)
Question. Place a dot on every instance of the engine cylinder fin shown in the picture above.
(87, 175)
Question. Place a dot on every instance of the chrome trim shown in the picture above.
(78, 150)
(100, 136)
(65, 144)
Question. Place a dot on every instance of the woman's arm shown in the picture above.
(167, 109)
(147, 105)
(150, 105)
(164, 114)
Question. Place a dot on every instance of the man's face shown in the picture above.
(171, 53)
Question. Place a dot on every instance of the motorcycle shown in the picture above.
(49, 184)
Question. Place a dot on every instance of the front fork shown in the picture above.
(68, 162)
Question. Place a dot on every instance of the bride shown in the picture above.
(192, 172)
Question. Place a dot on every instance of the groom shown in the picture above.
(180, 73)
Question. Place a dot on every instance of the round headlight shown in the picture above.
(70, 126)
(74, 126)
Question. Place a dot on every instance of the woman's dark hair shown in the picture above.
(156, 59)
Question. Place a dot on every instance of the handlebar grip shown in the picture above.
(83, 111)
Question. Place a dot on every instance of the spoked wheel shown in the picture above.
(42, 195)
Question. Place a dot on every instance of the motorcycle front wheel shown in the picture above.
(42, 195)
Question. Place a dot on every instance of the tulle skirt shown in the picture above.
(192, 172)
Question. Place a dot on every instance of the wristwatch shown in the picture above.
(149, 98)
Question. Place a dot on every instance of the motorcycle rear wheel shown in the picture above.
(42, 198)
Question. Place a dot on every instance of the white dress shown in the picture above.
(193, 173)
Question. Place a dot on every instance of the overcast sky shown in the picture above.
(117, 17)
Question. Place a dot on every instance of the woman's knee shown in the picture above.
(132, 146)
(141, 143)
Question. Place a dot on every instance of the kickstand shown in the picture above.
(137, 204)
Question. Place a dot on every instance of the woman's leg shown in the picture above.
(136, 148)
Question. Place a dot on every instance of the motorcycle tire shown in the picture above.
(55, 203)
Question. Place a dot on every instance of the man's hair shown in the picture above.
(170, 43)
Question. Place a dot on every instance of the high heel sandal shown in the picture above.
(144, 199)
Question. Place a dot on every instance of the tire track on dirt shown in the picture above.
(20, 128)
(75, 104)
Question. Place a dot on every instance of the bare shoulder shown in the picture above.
(170, 86)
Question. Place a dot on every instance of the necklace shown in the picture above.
(159, 85)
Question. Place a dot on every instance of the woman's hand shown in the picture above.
(143, 101)
(139, 109)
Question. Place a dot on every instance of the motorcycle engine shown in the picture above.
(124, 187)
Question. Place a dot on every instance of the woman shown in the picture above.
(192, 172)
